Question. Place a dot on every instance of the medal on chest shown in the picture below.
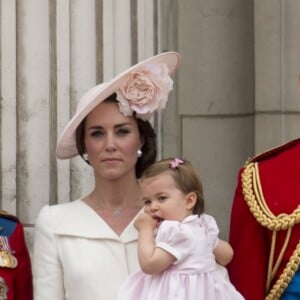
(7, 258)
(3, 289)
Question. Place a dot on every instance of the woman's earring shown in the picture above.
(85, 156)
(139, 153)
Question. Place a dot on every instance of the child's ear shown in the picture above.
(191, 199)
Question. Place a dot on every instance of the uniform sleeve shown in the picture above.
(212, 229)
(47, 269)
(23, 279)
(172, 238)
(248, 240)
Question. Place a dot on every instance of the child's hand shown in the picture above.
(145, 221)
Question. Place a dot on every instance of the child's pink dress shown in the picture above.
(194, 275)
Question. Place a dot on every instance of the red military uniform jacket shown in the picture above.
(15, 266)
(264, 228)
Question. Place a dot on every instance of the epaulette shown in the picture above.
(6, 215)
(8, 223)
(273, 151)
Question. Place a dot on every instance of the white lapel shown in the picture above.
(76, 218)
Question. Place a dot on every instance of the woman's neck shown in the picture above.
(116, 201)
(123, 192)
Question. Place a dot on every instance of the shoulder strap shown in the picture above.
(8, 223)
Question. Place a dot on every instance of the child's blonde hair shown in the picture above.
(184, 176)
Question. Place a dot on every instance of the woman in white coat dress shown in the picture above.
(84, 249)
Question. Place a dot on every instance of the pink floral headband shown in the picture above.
(175, 163)
(145, 91)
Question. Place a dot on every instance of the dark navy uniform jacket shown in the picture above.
(15, 265)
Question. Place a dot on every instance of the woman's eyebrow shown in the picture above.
(123, 124)
(115, 126)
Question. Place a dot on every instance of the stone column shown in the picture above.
(211, 120)
(277, 69)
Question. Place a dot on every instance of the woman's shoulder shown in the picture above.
(61, 208)
(59, 213)
(74, 218)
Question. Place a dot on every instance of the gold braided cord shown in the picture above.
(272, 271)
(271, 259)
(254, 198)
(280, 256)
(286, 276)
(258, 191)
(262, 204)
(266, 211)
(258, 207)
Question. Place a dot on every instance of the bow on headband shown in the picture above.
(176, 162)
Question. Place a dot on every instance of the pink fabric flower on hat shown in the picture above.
(145, 91)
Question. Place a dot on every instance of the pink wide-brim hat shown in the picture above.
(66, 146)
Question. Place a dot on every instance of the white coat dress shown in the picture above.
(77, 256)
